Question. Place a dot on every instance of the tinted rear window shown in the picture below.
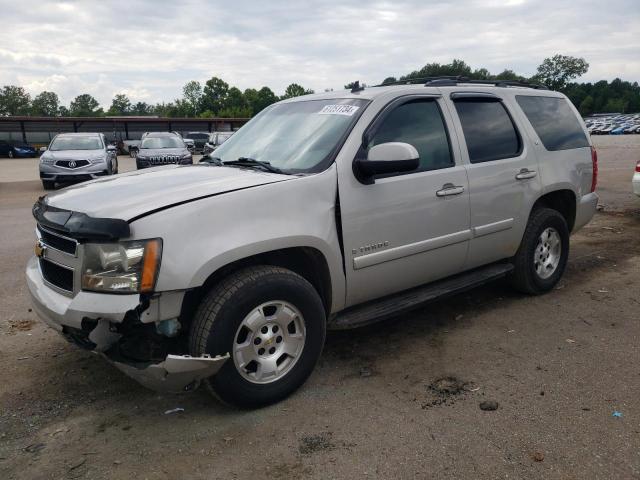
(488, 130)
(554, 122)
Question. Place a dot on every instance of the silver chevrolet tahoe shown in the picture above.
(324, 211)
(73, 157)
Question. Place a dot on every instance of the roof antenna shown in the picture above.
(356, 87)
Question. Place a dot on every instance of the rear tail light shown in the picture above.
(638, 167)
(594, 163)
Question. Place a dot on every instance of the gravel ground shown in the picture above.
(413, 397)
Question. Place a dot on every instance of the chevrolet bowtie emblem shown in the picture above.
(40, 249)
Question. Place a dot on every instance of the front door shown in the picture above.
(406, 229)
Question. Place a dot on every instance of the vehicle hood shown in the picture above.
(161, 152)
(73, 154)
(133, 194)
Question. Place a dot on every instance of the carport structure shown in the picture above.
(40, 130)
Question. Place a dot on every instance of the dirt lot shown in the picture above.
(396, 400)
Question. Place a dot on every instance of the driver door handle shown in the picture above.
(449, 189)
(525, 174)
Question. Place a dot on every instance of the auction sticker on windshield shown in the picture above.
(347, 110)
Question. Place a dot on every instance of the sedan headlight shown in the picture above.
(47, 160)
(125, 267)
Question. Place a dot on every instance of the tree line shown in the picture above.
(217, 99)
(213, 99)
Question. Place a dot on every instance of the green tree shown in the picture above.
(265, 98)
(295, 90)
(63, 111)
(556, 71)
(586, 106)
(120, 105)
(192, 94)
(455, 68)
(45, 104)
(141, 108)
(14, 101)
(389, 80)
(84, 106)
(214, 94)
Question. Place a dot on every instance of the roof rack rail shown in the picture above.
(450, 80)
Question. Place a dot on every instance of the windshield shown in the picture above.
(76, 143)
(162, 142)
(297, 137)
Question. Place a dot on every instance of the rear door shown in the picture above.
(405, 229)
(504, 181)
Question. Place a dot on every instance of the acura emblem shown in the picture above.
(72, 164)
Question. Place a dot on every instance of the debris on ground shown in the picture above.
(20, 325)
(537, 456)
(616, 414)
(365, 372)
(603, 290)
(316, 443)
(445, 391)
(489, 405)
(34, 447)
(174, 410)
(570, 340)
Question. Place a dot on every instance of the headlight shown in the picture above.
(46, 160)
(127, 267)
(186, 156)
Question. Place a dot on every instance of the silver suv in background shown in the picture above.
(162, 148)
(324, 211)
(215, 140)
(73, 157)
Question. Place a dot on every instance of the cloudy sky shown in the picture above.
(148, 49)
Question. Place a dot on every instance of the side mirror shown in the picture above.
(391, 157)
(43, 149)
(111, 148)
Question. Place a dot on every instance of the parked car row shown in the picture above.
(614, 124)
(17, 149)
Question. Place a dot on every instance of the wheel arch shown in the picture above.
(308, 262)
(563, 200)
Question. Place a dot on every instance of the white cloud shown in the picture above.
(148, 49)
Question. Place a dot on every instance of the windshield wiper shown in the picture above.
(211, 160)
(251, 162)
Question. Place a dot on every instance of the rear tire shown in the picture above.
(543, 253)
(272, 323)
(48, 184)
(11, 154)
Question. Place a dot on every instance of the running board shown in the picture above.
(386, 307)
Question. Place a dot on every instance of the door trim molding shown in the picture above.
(422, 246)
(494, 227)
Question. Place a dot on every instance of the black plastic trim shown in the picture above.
(79, 226)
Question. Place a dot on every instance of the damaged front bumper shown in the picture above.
(178, 373)
(93, 321)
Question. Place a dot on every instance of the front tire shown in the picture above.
(11, 155)
(272, 323)
(543, 253)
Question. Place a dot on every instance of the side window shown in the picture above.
(418, 122)
(488, 129)
(554, 122)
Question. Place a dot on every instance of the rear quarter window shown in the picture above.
(554, 121)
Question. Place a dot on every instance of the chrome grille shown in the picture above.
(57, 241)
(59, 259)
(72, 163)
(164, 159)
(57, 275)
